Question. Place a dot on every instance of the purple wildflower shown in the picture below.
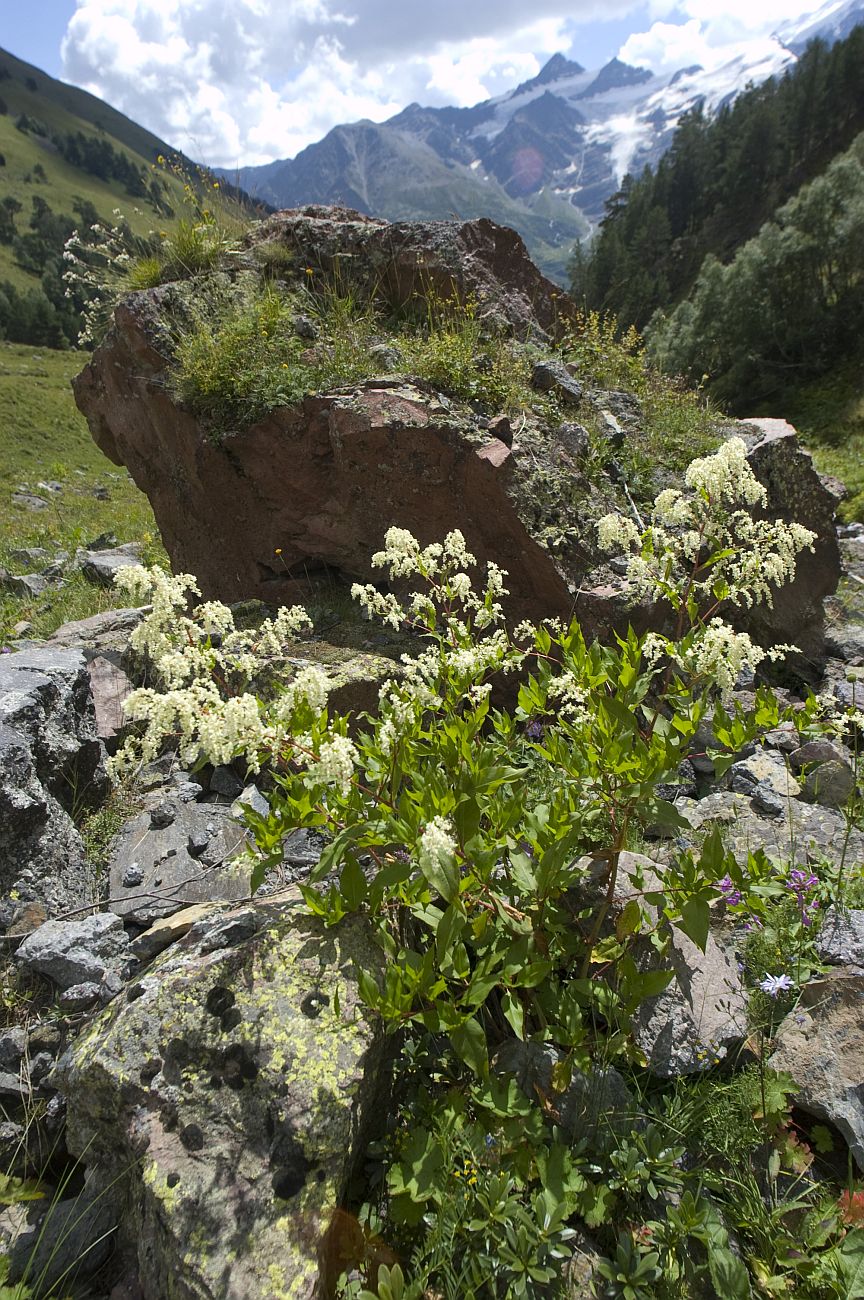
(729, 890)
(535, 729)
(802, 884)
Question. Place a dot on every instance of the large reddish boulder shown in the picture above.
(308, 492)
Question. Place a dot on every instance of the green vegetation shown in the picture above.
(247, 344)
(68, 162)
(789, 304)
(484, 849)
(720, 181)
(43, 437)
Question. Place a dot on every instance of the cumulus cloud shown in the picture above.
(247, 81)
(709, 32)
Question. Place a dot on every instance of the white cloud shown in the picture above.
(710, 32)
(247, 81)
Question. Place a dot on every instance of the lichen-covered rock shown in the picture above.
(803, 833)
(796, 494)
(50, 763)
(841, 937)
(230, 1090)
(821, 1044)
(701, 1015)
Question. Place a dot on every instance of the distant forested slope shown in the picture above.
(720, 182)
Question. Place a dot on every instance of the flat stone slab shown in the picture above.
(821, 1044)
(161, 866)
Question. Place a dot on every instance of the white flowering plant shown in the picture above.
(484, 843)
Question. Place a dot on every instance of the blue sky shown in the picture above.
(246, 81)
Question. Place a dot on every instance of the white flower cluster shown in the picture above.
(335, 764)
(436, 846)
(205, 665)
(572, 697)
(705, 540)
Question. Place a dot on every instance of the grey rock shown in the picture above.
(700, 1018)
(385, 356)
(80, 997)
(12, 1086)
(132, 876)
(189, 791)
(50, 759)
(767, 800)
(701, 1015)
(39, 1066)
(841, 937)
(213, 934)
(29, 501)
(75, 952)
(31, 555)
(110, 987)
(830, 784)
(109, 684)
(250, 797)
(51, 485)
(821, 1044)
(804, 833)
(68, 1241)
(305, 328)
(173, 877)
(612, 430)
(817, 751)
(13, 1043)
(162, 816)
(233, 1078)
(763, 768)
(784, 738)
(101, 567)
(13, 1148)
(850, 694)
(105, 633)
(105, 541)
(224, 782)
(552, 377)
(595, 1105)
(26, 584)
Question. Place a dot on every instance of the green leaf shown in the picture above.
(513, 1012)
(443, 877)
(352, 883)
(821, 1138)
(852, 1263)
(469, 1044)
(694, 921)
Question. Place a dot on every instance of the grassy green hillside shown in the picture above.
(63, 110)
(828, 412)
(43, 438)
(67, 161)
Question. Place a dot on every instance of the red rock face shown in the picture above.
(409, 262)
(310, 490)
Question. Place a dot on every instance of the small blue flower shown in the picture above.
(774, 985)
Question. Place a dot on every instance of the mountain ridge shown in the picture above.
(569, 155)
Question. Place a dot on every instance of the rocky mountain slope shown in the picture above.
(544, 157)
